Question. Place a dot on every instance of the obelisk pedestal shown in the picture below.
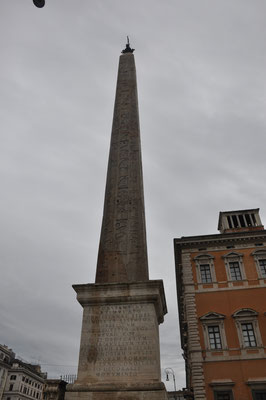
(119, 350)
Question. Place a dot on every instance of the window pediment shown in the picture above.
(261, 252)
(244, 312)
(232, 254)
(222, 382)
(202, 257)
(256, 381)
(212, 316)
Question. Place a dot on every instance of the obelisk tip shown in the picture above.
(128, 48)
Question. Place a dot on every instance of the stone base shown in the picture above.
(158, 393)
(119, 349)
(151, 395)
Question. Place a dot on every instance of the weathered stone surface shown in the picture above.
(119, 349)
(123, 250)
(122, 395)
(120, 339)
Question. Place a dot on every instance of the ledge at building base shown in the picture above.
(119, 350)
(149, 392)
(138, 395)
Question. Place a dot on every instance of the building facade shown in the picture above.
(19, 380)
(6, 357)
(176, 395)
(54, 389)
(221, 286)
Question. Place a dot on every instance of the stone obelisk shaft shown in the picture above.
(123, 251)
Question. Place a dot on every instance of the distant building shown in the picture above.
(54, 389)
(6, 358)
(221, 286)
(178, 395)
(19, 380)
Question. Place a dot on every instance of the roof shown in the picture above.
(33, 368)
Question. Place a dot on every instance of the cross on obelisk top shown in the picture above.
(128, 48)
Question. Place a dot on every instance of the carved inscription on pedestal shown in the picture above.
(123, 342)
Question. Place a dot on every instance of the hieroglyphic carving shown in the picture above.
(123, 227)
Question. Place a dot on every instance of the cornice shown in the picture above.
(220, 239)
(93, 294)
(26, 372)
(4, 364)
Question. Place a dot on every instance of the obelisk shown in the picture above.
(119, 351)
(123, 249)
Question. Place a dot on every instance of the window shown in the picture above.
(248, 335)
(224, 395)
(13, 377)
(205, 268)
(260, 261)
(247, 328)
(262, 264)
(259, 394)
(234, 267)
(213, 330)
(23, 378)
(11, 387)
(205, 273)
(214, 337)
(235, 271)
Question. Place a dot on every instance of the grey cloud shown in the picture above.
(201, 81)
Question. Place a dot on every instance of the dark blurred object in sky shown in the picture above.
(39, 3)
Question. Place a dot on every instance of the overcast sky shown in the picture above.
(201, 82)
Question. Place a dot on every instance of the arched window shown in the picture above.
(247, 328)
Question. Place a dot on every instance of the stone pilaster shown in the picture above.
(194, 354)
